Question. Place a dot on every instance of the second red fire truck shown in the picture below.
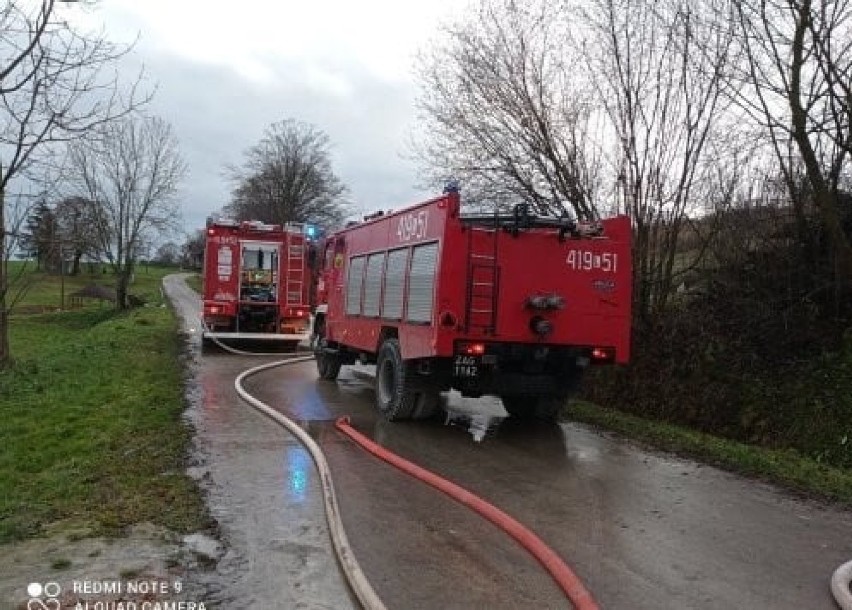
(515, 305)
(256, 281)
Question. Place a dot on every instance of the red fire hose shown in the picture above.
(561, 573)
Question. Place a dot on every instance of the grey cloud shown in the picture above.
(217, 114)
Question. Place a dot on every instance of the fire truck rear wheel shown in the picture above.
(394, 396)
(543, 408)
(428, 405)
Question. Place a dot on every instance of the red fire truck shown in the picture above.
(256, 281)
(515, 305)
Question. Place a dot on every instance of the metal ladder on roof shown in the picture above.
(483, 279)
(295, 277)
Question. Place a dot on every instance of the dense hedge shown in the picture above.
(758, 349)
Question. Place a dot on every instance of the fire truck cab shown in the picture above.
(256, 281)
(514, 305)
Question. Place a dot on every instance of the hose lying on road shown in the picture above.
(841, 581)
(231, 350)
(561, 573)
(357, 580)
(579, 596)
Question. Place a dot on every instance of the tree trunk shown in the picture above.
(122, 281)
(75, 270)
(824, 199)
(5, 353)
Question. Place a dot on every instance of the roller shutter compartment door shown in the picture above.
(373, 284)
(421, 282)
(353, 285)
(394, 284)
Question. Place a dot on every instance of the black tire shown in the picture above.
(394, 397)
(519, 407)
(328, 365)
(428, 405)
(548, 409)
(542, 408)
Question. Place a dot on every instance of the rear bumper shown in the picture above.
(517, 369)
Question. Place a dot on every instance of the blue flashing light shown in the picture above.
(311, 231)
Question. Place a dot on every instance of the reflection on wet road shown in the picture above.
(299, 469)
(643, 531)
(262, 489)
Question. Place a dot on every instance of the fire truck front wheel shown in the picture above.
(394, 396)
(328, 366)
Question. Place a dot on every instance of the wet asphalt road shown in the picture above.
(642, 530)
(260, 487)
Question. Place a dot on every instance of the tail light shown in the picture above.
(602, 355)
(471, 349)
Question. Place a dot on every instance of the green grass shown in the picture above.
(784, 467)
(43, 291)
(91, 410)
(194, 282)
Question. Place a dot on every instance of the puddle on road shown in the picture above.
(261, 488)
(479, 425)
(481, 417)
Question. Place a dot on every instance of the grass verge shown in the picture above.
(194, 282)
(92, 422)
(783, 467)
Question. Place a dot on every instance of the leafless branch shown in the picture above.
(132, 173)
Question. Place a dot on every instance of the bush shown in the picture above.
(757, 352)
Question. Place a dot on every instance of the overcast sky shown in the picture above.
(225, 70)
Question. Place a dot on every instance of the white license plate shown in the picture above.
(466, 366)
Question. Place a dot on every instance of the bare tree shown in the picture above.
(77, 219)
(830, 28)
(31, 230)
(55, 85)
(504, 112)
(167, 254)
(659, 70)
(559, 103)
(192, 250)
(287, 177)
(132, 171)
(797, 88)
